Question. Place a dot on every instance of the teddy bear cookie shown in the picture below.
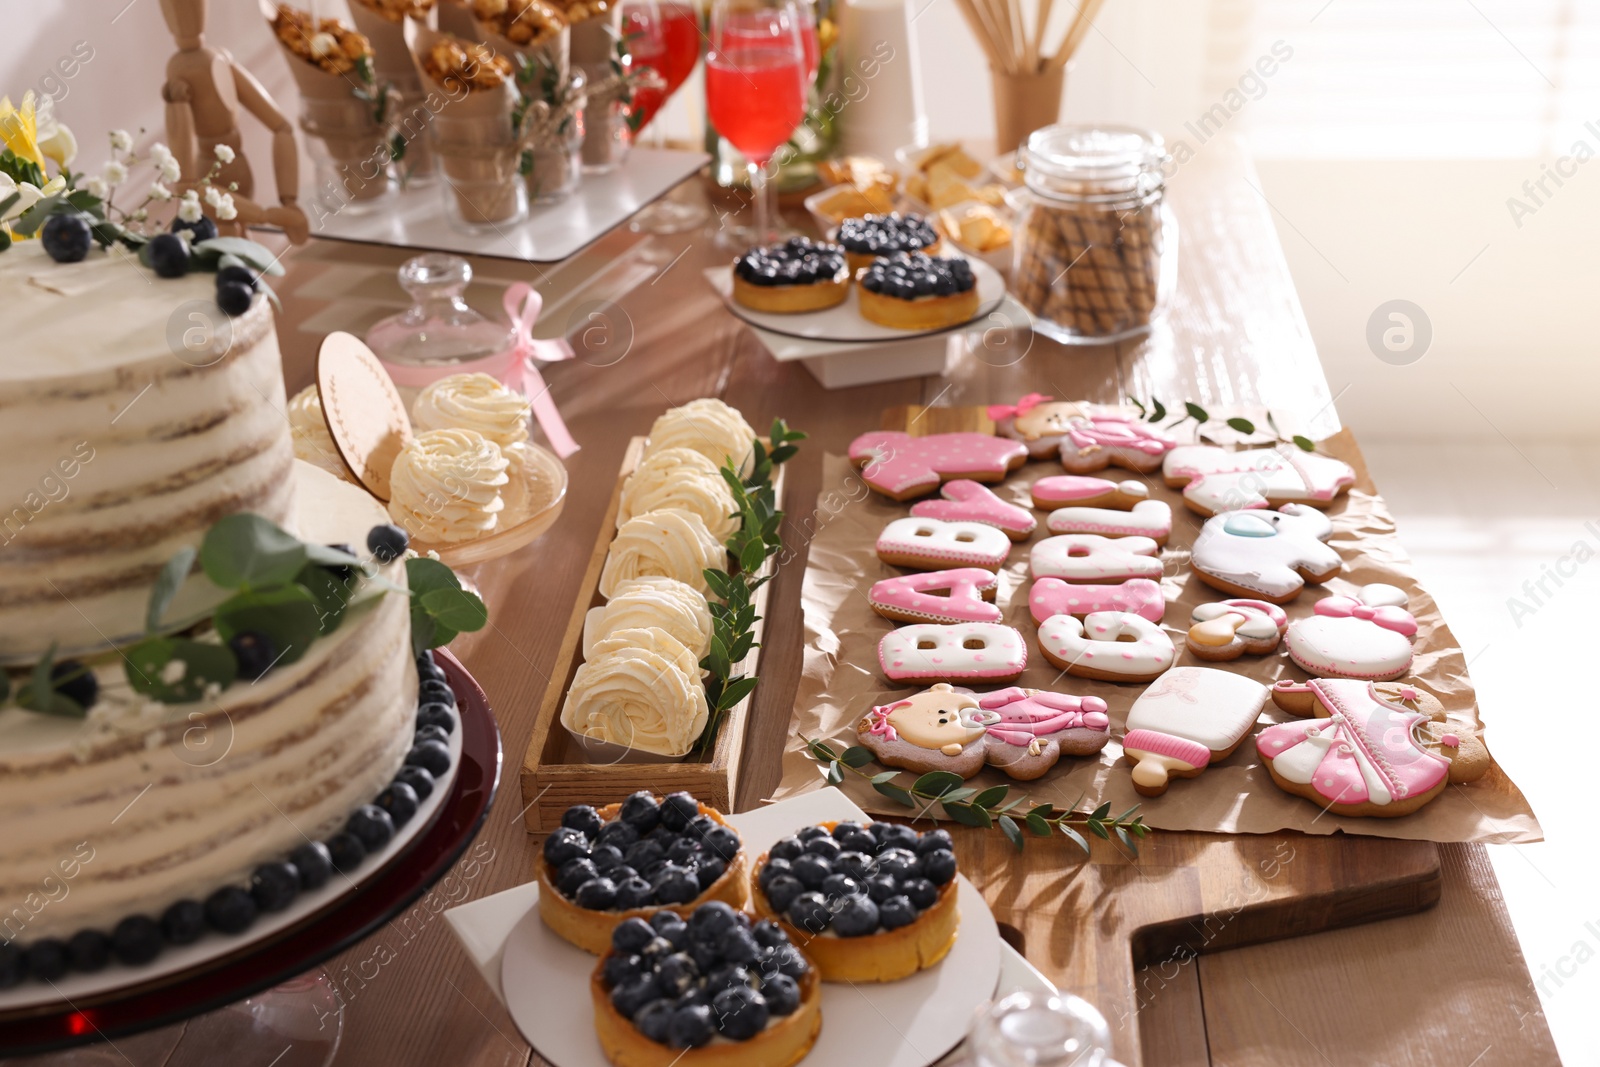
(1074, 490)
(1214, 479)
(1374, 749)
(962, 594)
(964, 500)
(902, 467)
(932, 544)
(1139, 596)
(981, 652)
(1148, 518)
(1265, 555)
(1366, 636)
(1086, 437)
(1093, 558)
(1226, 629)
(1191, 717)
(1112, 646)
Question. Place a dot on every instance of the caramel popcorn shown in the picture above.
(522, 22)
(329, 45)
(475, 65)
(578, 10)
(396, 10)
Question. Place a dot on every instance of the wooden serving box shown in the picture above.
(555, 774)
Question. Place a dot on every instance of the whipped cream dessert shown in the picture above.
(309, 430)
(684, 479)
(446, 486)
(667, 544)
(707, 426)
(663, 603)
(642, 691)
(476, 402)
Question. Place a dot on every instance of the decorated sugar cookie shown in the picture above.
(1087, 437)
(1215, 480)
(902, 467)
(1227, 629)
(1052, 596)
(1190, 718)
(968, 501)
(933, 544)
(1375, 749)
(1148, 518)
(1074, 490)
(1092, 558)
(1367, 636)
(1266, 555)
(1036, 728)
(1112, 646)
(964, 594)
(982, 652)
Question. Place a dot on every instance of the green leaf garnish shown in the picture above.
(286, 614)
(168, 582)
(255, 255)
(242, 551)
(203, 665)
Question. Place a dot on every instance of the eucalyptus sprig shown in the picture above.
(1154, 411)
(983, 808)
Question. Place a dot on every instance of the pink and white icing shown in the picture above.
(1111, 642)
(945, 542)
(1027, 714)
(1365, 752)
(1062, 490)
(1148, 518)
(1254, 620)
(1351, 637)
(971, 501)
(969, 651)
(1092, 558)
(1186, 710)
(915, 594)
(901, 465)
(1139, 596)
(1264, 551)
(1220, 480)
(1078, 430)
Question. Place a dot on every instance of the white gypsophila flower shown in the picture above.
(140, 215)
(225, 209)
(121, 140)
(114, 173)
(160, 192)
(169, 170)
(213, 195)
(159, 151)
(189, 210)
(96, 187)
(224, 154)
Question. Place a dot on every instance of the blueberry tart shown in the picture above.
(868, 902)
(713, 988)
(872, 236)
(918, 292)
(798, 275)
(605, 865)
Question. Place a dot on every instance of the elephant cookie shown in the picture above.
(1191, 717)
(1366, 637)
(964, 594)
(932, 544)
(1112, 646)
(1092, 558)
(1373, 749)
(1052, 596)
(1227, 629)
(980, 652)
(1265, 555)
(902, 467)
(1086, 437)
(968, 501)
(1215, 480)
(1148, 518)
(1072, 490)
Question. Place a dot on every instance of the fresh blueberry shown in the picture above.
(677, 810)
(606, 858)
(312, 864)
(620, 968)
(183, 923)
(168, 255)
(641, 811)
(427, 666)
(234, 299)
(741, 1013)
(710, 920)
(73, 680)
(274, 885)
(934, 839)
(387, 542)
(429, 733)
(782, 892)
(675, 885)
(658, 949)
(631, 935)
(66, 238)
(372, 825)
(857, 916)
(437, 715)
(768, 934)
(201, 229)
(672, 926)
(701, 825)
(420, 779)
(696, 997)
(894, 835)
(597, 894)
(723, 841)
(825, 847)
(254, 653)
(812, 870)
(938, 866)
(690, 1027)
(436, 690)
(136, 940)
(789, 961)
(781, 993)
(737, 945)
(705, 954)
(431, 756)
(677, 974)
(13, 965)
(631, 996)
(46, 962)
(584, 819)
(923, 893)
(574, 873)
(644, 856)
(89, 950)
(771, 870)
(810, 912)
(858, 865)
(234, 272)
(727, 976)
(856, 840)
(684, 851)
(617, 833)
(786, 849)
(399, 800)
(880, 887)
(654, 1019)
(565, 844)
(839, 885)
(230, 909)
(897, 863)
(896, 912)
(345, 851)
(622, 872)
(811, 833)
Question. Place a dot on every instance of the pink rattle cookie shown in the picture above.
(1073, 490)
(932, 544)
(1086, 437)
(965, 652)
(1227, 629)
(1215, 480)
(1139, 596)
(1265, 555)
(1191, 717)
(1148, 518)
(1092, 558)
(1112, 646)
(1367, 636)
(964, 594)
(901, 466)
(968, 501)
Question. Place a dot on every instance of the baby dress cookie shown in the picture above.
(1266, 555)
(1227, 629)
(1216, 480)
(963, 594)
(967, 501)
(1087, 437)
(1374, 749)
(1112, 646)
(1148, 518)
(1191, 717)
(1052, 596)
(966, 652)
(901, 466)
(1074, 490)
(932, 544)
(1367, 636)
(1092, 558)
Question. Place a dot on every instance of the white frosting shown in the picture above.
(970, 650)
(1248, 618)
(1264, 551)
(1221, 480)
(638, 695)
(446, 486)
(1092, 558)
(1383, 595)
(312, 440)
(668, 544)
(1149, 518)
(684, 479)
(709, 427)
(1348, 648)
(1109, 642)
(662, 603)
(942, 542)
(1200, 704)
(473, 402)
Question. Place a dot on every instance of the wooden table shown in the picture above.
(1446, 986)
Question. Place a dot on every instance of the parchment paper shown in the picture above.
(840, 679)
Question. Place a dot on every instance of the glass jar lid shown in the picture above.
(439, 327)
(1094, 162)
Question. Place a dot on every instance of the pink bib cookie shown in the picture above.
(1069, 490)
(1052, 596)
(1367, 636)
(1265, 555)
(967, 596)
(1112, 646)
(1227, 629)
(1092, 558)
(1215, 480)
(965, 652)
(901, 466)
(933, 544)
(1086, 437)
(1148, 518)
(1189, 719)
(968, 501)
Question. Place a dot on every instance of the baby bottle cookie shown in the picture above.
(1190, 718)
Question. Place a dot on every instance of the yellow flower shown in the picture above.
(19, 129)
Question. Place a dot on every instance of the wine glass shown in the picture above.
(664, 36)
(756, 86)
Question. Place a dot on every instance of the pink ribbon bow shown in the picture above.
(1021, 407)
(1389, 617)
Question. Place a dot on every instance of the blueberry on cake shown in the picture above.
(870, 902)
(798, 275)
(872, 236)
(710, 989)
(918, 292)
(603, 865)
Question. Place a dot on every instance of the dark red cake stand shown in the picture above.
(266, 964)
